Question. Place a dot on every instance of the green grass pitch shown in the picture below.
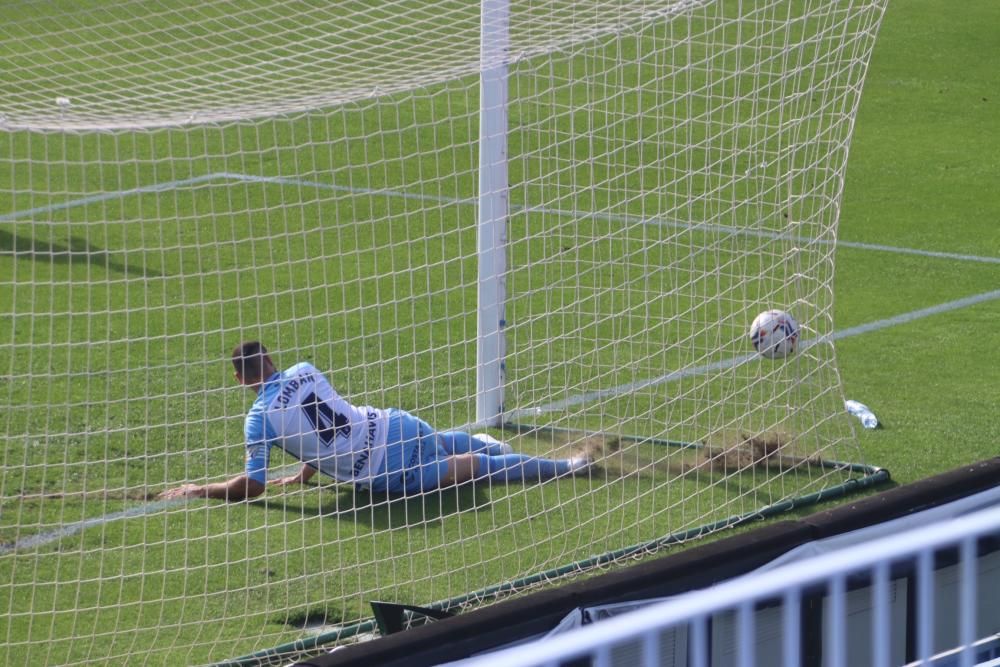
(921, 179)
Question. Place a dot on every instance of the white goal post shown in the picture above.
(493, 211)
(553, 220)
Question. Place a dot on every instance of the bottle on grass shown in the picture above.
(862, 412)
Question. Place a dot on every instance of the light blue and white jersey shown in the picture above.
(300, 412)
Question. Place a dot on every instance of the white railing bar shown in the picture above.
(880, 616)
(699, 639)
(925, 605)
(791, 621)
(967, 601)
(838, 618)
(746, 655)
(651, 649)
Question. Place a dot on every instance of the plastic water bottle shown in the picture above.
(862, 412)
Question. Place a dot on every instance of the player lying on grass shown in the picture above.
(386, 451)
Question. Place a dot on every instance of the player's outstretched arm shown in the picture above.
(238, 488)
(301, 477)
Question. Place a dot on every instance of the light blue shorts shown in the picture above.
(414, 459)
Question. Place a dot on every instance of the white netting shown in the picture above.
(305, 174)
(142, 63)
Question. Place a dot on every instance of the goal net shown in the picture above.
(553, 221)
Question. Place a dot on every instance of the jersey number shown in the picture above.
(328, 424)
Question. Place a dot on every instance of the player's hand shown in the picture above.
(183, 491)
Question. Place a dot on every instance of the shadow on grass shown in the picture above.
(78, 251)
(384, 511)
(311, 618)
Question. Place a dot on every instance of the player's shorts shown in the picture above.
(414, 461)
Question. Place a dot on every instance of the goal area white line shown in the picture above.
(393, 193)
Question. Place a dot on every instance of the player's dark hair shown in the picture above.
(248, 359)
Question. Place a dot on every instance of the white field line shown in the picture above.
(108, 196)
(40, 539)
(877, 325)
(385, 192)
(149, 507)
(625, 219)
(320, 185)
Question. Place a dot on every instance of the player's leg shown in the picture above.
(460, 469)
(505, 466)
(459, 442)
(508, 468)
(411, 455)
(517, 467)
(422, 463)
(417, 461)
(500, 465)
(446, 470)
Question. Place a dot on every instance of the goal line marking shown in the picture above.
(850, 332)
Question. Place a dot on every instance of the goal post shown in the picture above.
(493, 209)
(549, 219)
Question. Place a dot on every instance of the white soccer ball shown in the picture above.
(774, 334)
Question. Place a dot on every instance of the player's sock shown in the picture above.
(493, 447)
(514, 467)
(457, 442)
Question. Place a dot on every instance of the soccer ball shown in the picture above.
(774, 334)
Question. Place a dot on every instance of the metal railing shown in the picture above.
(924, 596)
